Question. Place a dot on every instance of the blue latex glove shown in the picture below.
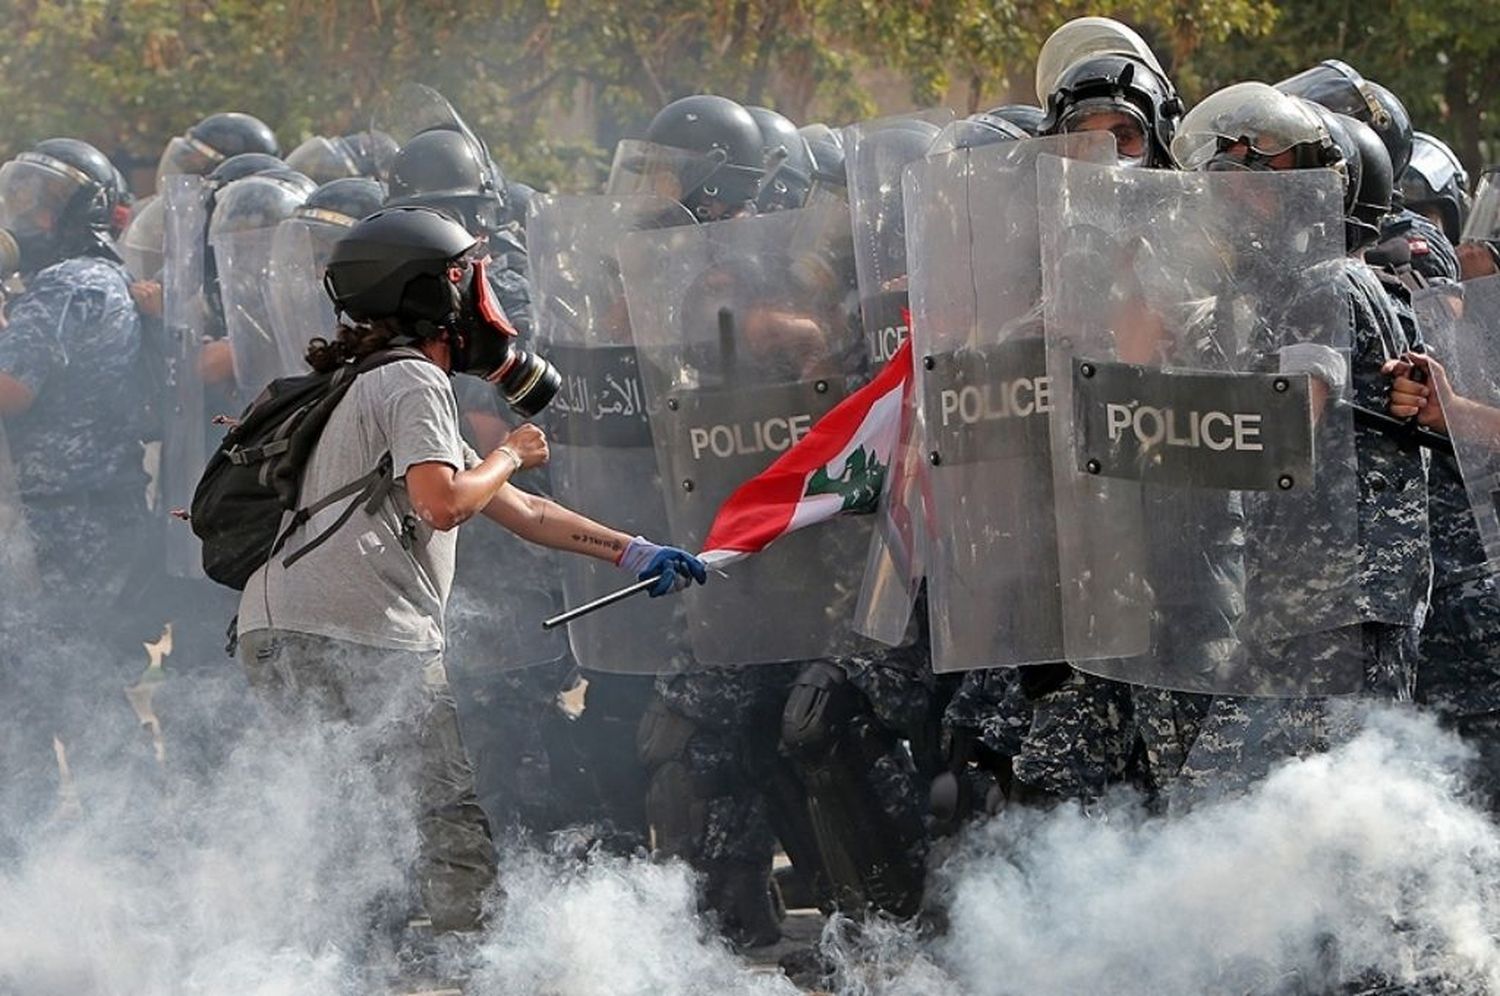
(673, 568)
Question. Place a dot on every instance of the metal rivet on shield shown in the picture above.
(935, 458)
(687, 484)
(1285, 482)
(672, 404)
(821, 387)
(1087, 369)
(1093, 467)
(1281, 385)
(928, 362)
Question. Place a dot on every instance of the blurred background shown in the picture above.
(553, 84)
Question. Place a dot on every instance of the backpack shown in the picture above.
(256, 473)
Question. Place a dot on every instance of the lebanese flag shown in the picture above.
(839, 467)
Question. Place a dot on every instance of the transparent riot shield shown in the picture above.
(19, 581)
(503, 586)
(1459, 323)
(876, 153)
(186, 433)
(1204, 473)
(746, 338)
(982, 390)
(1484, 215)
(645, 169)
(141, 242)
(243, 261)
(298, 307)
(603, 463)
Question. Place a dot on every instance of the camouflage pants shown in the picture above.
(402, 703)
(1458, 673)
(1241, 739)
(1079, 741)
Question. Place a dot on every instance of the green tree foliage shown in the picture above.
(128, 74)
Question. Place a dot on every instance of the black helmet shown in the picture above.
(1373, 202)
(826, 147)
(1336, 86)
(394, 264)
(344, 201)
(788, 163)
(1122, 84)
(243, 165)
(976, 130)
(1029, 119)
(447, 169)
(363, 153)
(725, 134)
(1344, 149)
(518, 197)
(418, 266)
(56, 200)
(261, 200)
(1436, 180)
(214, 139)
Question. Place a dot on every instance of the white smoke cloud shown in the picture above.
(1373, 845)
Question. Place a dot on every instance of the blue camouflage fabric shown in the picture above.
(74, 340)
(1394, 558)
(1079, 741)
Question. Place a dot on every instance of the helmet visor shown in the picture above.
(1484, 217)
(1115, 116)
(1336, 86)
(1435, 165)
(321, 159)
(142, 242)
(1266, 122)
(34, 193)
(185, 154)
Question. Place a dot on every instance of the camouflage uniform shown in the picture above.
(1459, 671)
(74, 340)
(1241, 738)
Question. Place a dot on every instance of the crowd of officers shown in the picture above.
(855, 767)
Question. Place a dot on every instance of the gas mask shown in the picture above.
(484, 344)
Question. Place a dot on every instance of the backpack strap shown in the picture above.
(369, 491)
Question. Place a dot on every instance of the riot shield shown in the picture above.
(1204, 471)
(243, 261)
(1458, 323)
(503, 586)
(876, 153)
(298, 307)
(603, 463)
(185, 435)
(983, 395)
(646, 169)
(745, 339)
(1484, 215)
(141, 242)
(18, 575)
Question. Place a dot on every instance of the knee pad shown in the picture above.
(818, 707)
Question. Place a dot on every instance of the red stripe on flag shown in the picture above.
(761, 509)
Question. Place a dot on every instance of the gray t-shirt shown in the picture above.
(365, 584)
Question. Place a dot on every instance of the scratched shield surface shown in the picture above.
(603, 463)
(1203, 471)
(747, 333)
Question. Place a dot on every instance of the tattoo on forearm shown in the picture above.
(603, 542)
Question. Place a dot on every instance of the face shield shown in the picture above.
(1484, 216)
(1336, 86)
(185, 154)
(1243, 127)
(323, 159)
(1436, 167)
(35, 192)
(142, 243)
(1117, 117)
(1081, 38)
